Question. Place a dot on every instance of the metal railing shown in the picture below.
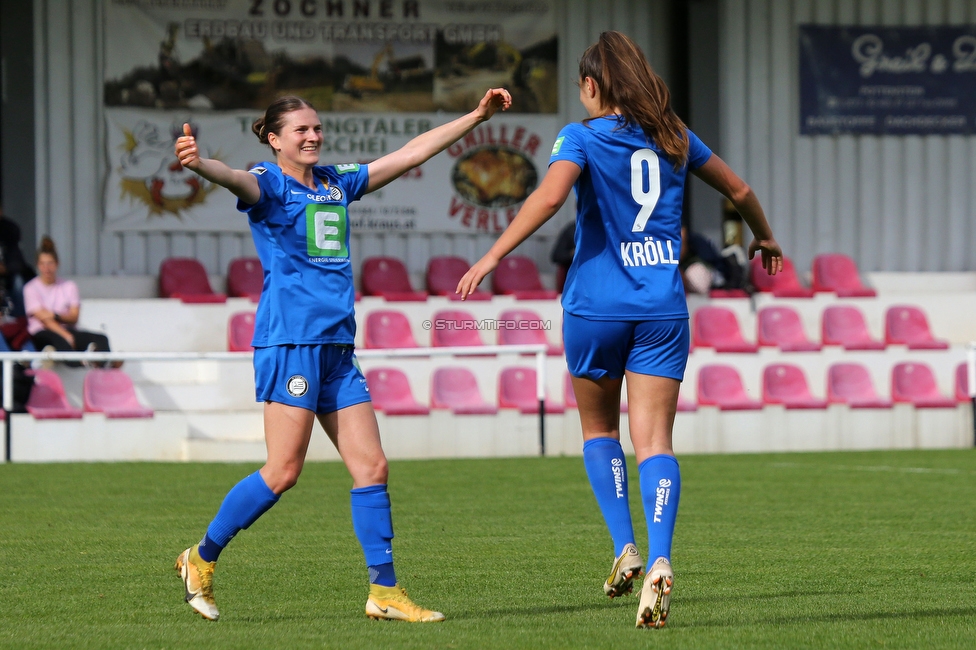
(971, 382)
(8, 359)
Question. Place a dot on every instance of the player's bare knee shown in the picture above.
(379, 471)
(283, 478)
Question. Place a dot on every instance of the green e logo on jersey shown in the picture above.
(557, 145)
(345, 168)
(325, 230)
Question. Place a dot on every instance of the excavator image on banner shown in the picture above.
(399, 74)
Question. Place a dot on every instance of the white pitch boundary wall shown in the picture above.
(71, 170)
(893, 203)
(205, 410)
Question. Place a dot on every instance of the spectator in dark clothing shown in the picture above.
(562, 253)
(15, 272)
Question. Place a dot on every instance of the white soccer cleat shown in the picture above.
(625, 568)
(655, 599)
(197, 578)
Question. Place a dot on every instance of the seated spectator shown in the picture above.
(705, 267)
(53, 307)
(14, 270)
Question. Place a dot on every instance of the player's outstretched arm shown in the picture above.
(719, 175)
(544, 202)
(241, 183)
(426, 145)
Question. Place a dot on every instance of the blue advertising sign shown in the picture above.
(888, 80)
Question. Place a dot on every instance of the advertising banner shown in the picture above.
(888, 80)
(378, 71)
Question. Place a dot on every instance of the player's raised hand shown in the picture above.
(494, 99)
(186, 149)
(772, 254)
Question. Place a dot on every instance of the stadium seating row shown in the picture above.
(844, 325)
(719, 385)
(517, 275)
(830, 273)
(108, 391)
(186, 278)
(388, 329)
(712, 327)
(847, 383)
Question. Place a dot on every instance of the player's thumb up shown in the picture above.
(187, 131)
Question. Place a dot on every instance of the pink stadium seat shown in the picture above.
(454, 327)
(684, 406)
(728, 293)
(907, 325)
(387, 328)
(784, 383)
(245, 278)
(391, 392)
(838, 274)
(186, 279)
(785, 284)
(915, 383)
(240, 332)
(850, 383)
(457, 389)
(844, 325)
(443, 275)
(962, 383)
(111, 392)
(524, 327)
(518, 275)
(387, 277)
(48, 400)
(781, 327)
(516, 390)
(721, 386)
(717, 327)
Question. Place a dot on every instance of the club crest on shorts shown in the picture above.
(297, 386)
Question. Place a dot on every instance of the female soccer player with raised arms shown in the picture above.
(304, 329)
(624, 307)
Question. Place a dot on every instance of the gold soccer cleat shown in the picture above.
(655, 597)
(393, 604)
(197, 578)
(625, 568)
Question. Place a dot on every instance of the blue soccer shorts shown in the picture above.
(605, 348)
(319, 378)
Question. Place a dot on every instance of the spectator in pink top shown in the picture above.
(53, 306)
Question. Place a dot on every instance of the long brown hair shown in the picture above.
(274, 118)
(627, 82)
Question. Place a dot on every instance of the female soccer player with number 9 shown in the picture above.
(624, 306)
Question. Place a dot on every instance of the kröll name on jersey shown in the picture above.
(494, 174)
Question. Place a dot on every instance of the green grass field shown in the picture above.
(836, 550)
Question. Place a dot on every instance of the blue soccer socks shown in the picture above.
(660, 483)
(607, 471)
(373, 525)
(242, 506)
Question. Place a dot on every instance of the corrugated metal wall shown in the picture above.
(71, 169)
(893, 203)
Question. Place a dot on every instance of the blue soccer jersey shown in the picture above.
(302, 239)
(628, 222)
